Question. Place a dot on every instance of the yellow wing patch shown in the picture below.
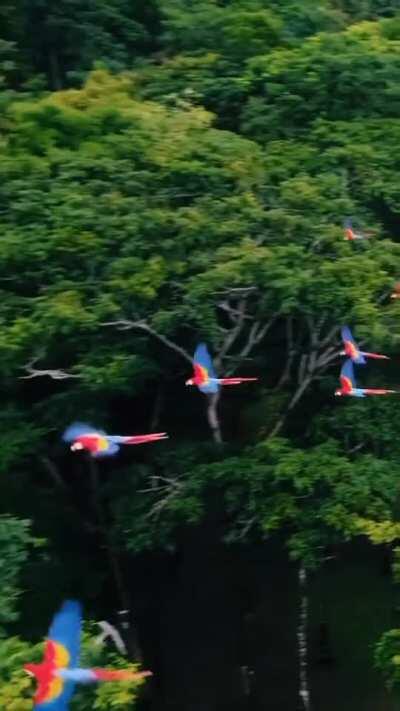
(56, 688)
(204, 373)
(61, 655)
(102, 443)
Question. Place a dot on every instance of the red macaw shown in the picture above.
(100, 444)
(59, 671)
(205, 376)
(350, 234)
(349, 387)
(352, 351)
(396, 292)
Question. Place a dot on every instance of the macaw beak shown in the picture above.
(189, 382)
(27, 670)
(76, 446)
(338, 393)
(342, 353)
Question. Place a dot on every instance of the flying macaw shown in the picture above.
(349, 387)
(350, 234)
(205, 376)
(100, 444)
(352, 351)
(396, 292)
(59, 672)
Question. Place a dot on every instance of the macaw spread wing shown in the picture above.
(65, 634)
(201, 374)
(346, 384)
(203, 358)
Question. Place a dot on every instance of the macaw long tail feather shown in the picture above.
(376, 356)
(119, 674)
(142, 439)
(235, 381)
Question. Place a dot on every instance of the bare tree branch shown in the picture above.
(232, 335)
(54, 374)
(126, 325)
(213, 418)
(290, 354)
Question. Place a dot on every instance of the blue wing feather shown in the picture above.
(113, 448)
(348, 371)
(211, 387)
(79, 428)
(66, 629)
(60, 704)
(346, 334)
(203, 358)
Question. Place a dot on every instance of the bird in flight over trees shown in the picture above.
(59, 671)
(352, 351)
(205, 376)
(99, 444)
(351, 234)
(348, 384)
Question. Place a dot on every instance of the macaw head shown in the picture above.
(189, 382)
(76, 446)
(338, 392)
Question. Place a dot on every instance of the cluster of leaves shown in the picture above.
(15, 540)
(318, 497)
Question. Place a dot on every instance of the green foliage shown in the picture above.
(16, 688)
(64, 41)
(387, 658)
(15, 540)
(198, 195)
(317, 497)
(340, 76)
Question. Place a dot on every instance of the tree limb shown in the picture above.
(54, 374)
(126, 325)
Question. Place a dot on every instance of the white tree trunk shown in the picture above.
(302, 642)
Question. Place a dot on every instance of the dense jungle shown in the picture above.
(175, 172)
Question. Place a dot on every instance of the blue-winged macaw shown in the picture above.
(205, 376)
(59, 671)
(351, 234)
(100, 444)
(349, 387)
(352, 351)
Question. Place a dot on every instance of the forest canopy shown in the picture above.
(173, 172)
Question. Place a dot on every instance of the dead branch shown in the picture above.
(126, 325)
(54, 374)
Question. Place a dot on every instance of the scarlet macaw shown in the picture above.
(205, 376)
(396, 292)
(350, 234)
(352, 351)
(349, 387)
(59, 672)
(100, 444)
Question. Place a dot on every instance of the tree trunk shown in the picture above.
(304, 690)
(213, 418)
(54, 66)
